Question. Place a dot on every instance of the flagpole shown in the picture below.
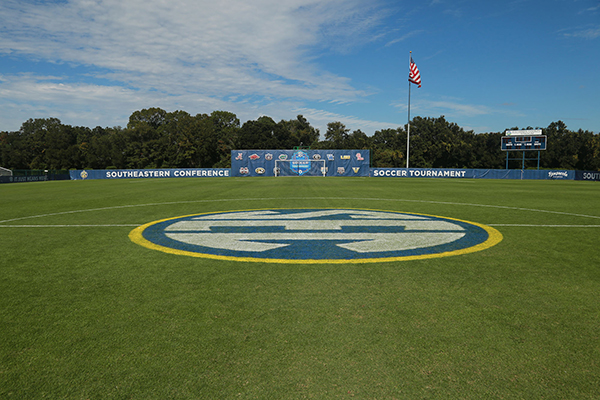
(408, 130)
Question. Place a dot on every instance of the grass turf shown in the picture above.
(87, 314)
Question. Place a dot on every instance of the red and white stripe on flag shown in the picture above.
(414, 76)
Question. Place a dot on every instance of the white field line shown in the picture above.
(135, 225)
(544, 226)
(69, 226)
(302, 198)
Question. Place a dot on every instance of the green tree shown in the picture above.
(336, 136)
(48, 144)
(593, 160)
(486, 151)
(259, 134)
(153, 117)
(143, 146)
(97, 150)
(388, 148)
(227, 130)
(13, 154)
(155, 138)
(437, 143)
(358, 140)
(554, 154)
(298, 132)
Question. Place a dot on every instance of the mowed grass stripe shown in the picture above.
(308, 199)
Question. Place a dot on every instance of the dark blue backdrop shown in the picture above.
(303, 162)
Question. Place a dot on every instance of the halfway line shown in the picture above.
(135, 225)
(66, 226)
(547, 226)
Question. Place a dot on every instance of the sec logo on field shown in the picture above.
(304, 236)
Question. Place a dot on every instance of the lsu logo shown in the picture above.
(260, 170)
(310, 236)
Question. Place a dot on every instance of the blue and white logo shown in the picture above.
(315, 236)
(300, 162)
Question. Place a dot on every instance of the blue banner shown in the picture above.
(454, 173)
(150, 173)
(300, 163)
(34, 178)
(587, 175)
(335, 162)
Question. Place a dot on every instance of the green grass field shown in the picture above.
(85, 313)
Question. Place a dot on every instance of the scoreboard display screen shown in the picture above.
(523, 143)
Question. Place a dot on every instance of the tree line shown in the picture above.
(155, 138)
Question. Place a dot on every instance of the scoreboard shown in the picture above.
(529, 140)
(523, 143)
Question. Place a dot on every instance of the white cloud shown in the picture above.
(445, 107)
(178, 46)
(589, 33)
(178, 53)
(404, 37)
(320, 119)
(583, 31)
(456, 108)
(27, 96)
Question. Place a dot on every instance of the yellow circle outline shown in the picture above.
(494, 237)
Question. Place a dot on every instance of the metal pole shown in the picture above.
(408, 129)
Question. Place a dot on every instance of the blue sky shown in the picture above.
(485, 65)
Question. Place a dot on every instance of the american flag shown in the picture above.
(414, 76)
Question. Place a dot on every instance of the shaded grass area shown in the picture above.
(85, 313)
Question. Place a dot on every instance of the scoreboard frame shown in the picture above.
(524, 141)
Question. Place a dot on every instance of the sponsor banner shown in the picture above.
(14, 179)
(527, 132)
(587, 175)
(150, 173)
(34, 178)
(300, 162)
(556, 175)
(471, 173)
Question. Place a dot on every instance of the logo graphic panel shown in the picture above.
(300, 162)
(315, 235)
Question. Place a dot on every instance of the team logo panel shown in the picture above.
(315, 235)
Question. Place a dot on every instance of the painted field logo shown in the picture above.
(315, 236)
